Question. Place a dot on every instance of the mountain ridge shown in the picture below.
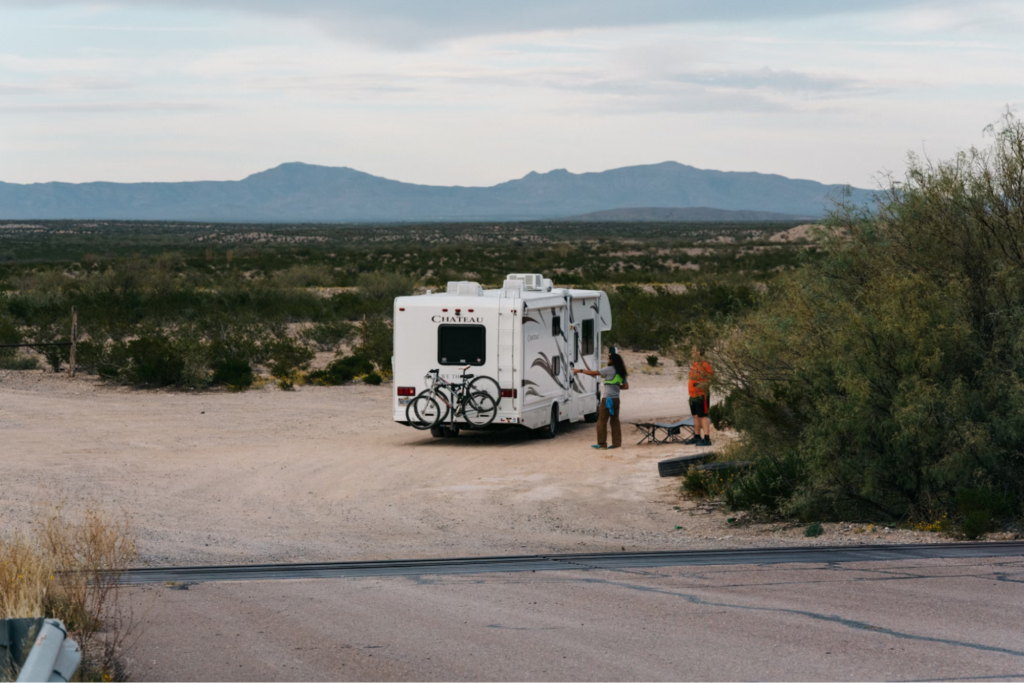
(681, 214)
(297, 191)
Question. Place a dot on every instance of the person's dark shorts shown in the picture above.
(699, 406)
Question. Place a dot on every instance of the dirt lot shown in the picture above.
(324, 474)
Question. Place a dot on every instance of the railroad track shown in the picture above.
(584, 561)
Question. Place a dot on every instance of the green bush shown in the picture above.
(767, 486)
(328, 335)
(814, 530)
(286, 357)
(373, 378)
(721, 413)
(304, 275)
(18, 362)
(980, 511)
(890, 368)
(154, 361)
(343, 369)
(109, 361)
(652, 361)
(658, 318)
(380, 288)
(695, 483)
(233, 372)
(379, 343)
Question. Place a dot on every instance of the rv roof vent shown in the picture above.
(464, 288)
(512, 289)
(532, 282)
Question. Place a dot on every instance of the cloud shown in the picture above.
(766, 78)
(104, 107)
(414, 23)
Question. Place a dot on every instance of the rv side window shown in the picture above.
(461, 344)
(556, 366)
(588, 338)
(556, 326)
(576, 347)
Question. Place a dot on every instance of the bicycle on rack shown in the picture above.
(445, 401)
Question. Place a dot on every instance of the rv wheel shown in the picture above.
(437, 432)
(551, 429)
(590, 417)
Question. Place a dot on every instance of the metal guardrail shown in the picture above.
(51, 658)
(582, 561)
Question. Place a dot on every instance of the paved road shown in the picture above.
(898, 620)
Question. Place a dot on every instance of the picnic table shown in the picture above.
(665, 432)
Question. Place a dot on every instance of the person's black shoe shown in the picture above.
(693, 441)
(706, 441)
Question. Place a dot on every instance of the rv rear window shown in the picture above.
(461, 344)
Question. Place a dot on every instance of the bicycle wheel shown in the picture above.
(486, 384)
(423, 412)
(479, 409)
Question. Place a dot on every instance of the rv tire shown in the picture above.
(590, 417)
(550, 430)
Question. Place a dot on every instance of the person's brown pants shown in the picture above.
(602, 424)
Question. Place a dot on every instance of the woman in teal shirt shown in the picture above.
(614, 375)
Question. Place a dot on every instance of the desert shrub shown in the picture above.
(377, 342)
(233, 372)
(18, 362)
(110, 361)
(814, 529)
(327, 335)
(891, 368)
(721, 413)
(373, 378)
(286, 357)
(652, 361)
(695, 483)
(980, 511)
(154, 361)
(341, 370)
(304, 275)
(711, 483)
(767, 486)
(659, 319)
(380, 288)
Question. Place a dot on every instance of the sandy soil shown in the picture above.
(324, 474)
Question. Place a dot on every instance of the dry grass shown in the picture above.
(69, 569)
(25, 577)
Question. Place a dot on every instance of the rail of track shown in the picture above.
(584, 561)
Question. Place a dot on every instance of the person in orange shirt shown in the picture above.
(700, 397)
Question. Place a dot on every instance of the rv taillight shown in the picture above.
(406, 391)
(509, 393)
(444, 310)
(401, 309)
(471, 310)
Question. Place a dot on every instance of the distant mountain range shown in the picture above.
(693, 214)
(299, 192)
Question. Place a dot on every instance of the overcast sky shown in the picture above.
(475, 92)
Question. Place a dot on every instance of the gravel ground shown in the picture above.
(322, 473)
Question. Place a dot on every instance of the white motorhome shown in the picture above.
(528, 336)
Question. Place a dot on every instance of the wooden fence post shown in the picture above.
(74, 341)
